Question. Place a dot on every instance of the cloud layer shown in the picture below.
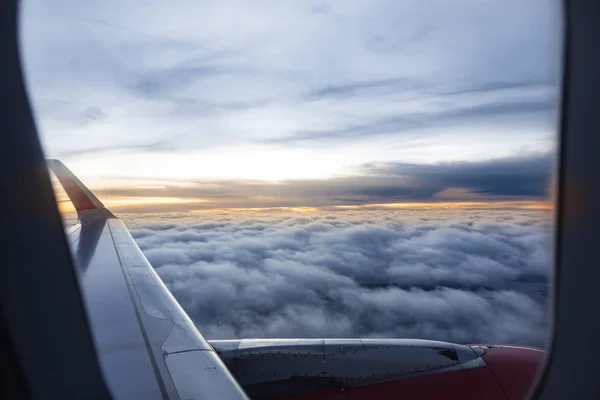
(519, 178)
(463, 276)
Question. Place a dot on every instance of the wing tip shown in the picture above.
(81, 197)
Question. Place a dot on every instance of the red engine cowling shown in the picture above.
(509, 374)
(303, 369)
(514, 367)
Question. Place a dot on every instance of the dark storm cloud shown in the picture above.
(516, 178)
(464, 276)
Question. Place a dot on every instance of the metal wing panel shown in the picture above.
(137, 324)
(118, 335)
(147, 345)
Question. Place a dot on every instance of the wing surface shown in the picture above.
(147, 345)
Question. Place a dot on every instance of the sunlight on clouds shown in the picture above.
(253, 209)
(147, 204)
(517, 205)
(457, 205)
(118, 202)
(278, 163)
(514, 182)
(265, 164)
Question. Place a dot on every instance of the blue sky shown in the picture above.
(408, 99)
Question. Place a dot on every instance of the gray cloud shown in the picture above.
(464, 276)
(130, 148)
(464, 110)
(350, 89)
(526, 177)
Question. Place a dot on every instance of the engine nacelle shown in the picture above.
(377, 368)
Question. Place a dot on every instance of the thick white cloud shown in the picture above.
(464, 276)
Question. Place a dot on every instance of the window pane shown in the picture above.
(316, 169)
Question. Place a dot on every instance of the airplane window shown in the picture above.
(317, 169)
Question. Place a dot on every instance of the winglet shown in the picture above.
(81, 197)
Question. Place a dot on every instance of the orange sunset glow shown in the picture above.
(146, 204)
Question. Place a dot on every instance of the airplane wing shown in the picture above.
(147, 346)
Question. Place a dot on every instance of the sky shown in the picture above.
(195, 105)
(374, 168)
